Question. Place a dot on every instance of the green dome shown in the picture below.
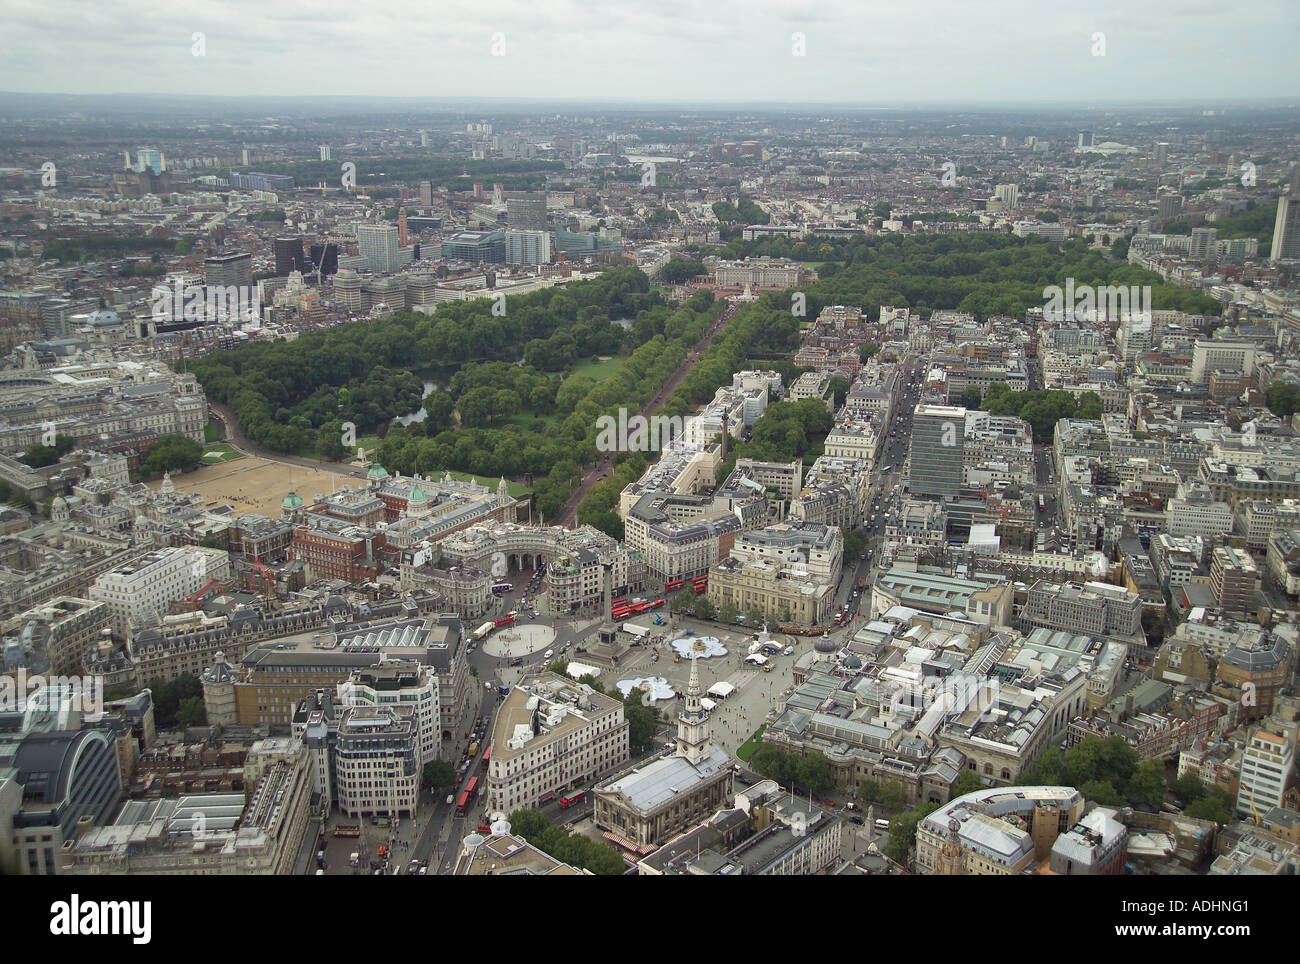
(291, 501)
(377, 471)
(417, 495)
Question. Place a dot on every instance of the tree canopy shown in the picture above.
(811, 770)
(171, 453)
(573, 849)
(1041, 409)
(174, 702)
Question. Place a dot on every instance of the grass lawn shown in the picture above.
(514, 488)
(214, 431)
(224, 453)
(367, 442)
(750, 746)
(602, 369)
(525, 420)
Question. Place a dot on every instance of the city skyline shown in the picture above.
(776, 438)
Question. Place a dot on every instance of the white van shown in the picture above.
(548, 654)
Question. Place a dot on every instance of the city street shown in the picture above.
(435, 834)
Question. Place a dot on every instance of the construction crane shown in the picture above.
(197, 598)
(268, 579)
(1253, 809)
(995, 504)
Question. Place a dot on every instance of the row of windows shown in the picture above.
(532, 787)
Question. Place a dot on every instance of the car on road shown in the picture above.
(788, 651)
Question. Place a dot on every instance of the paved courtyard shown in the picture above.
(521, 639)
(757, 692)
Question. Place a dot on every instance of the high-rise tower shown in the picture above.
(1286, 228)
(937, 443)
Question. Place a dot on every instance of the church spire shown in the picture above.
(693, 735)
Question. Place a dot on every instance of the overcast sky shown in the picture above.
(870, 51)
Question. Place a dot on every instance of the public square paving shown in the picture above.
(521, 639)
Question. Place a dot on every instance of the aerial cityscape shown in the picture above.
(482, 461)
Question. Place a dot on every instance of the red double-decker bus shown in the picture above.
(571, 799)
(619, 613)
(620, 601)
(674, 585)
(504, 621)
(700, 584)
(656, 604)
(487, 756)
(467, 797)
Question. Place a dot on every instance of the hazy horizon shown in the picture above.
(833, 52)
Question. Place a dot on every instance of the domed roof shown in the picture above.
(377, 471)
(852, 662)
(417, 495)
(825, 645)
(291, 501)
